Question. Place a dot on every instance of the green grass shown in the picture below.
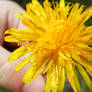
(4, 90)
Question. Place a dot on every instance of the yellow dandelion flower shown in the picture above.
(57, 38)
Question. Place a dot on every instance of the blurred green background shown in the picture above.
(87, 3)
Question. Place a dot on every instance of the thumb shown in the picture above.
(13, 80)
(39, 85)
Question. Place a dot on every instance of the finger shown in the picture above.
(7, 18)
(39, 85)
(8, 77)
(13, 80)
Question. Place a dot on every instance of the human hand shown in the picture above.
(8, 77)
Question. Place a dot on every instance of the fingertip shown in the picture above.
(37, 85)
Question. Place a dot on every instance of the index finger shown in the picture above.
(7, 18)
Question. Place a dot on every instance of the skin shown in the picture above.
(8, 77)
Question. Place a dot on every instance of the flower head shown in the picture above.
(56, 37)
